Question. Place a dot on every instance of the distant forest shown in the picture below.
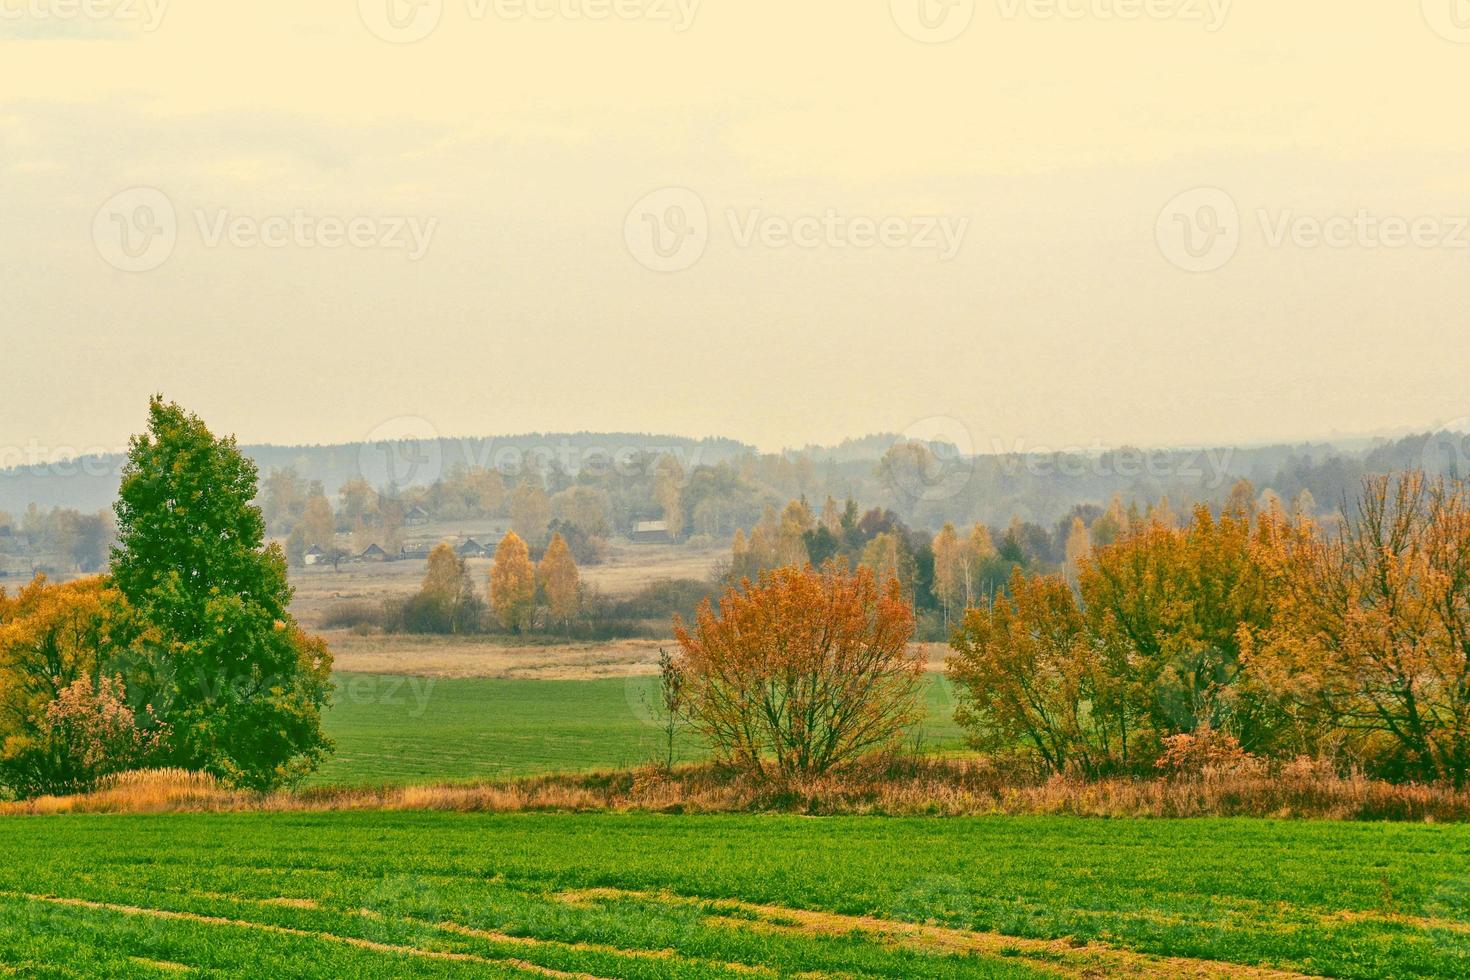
(713, 487)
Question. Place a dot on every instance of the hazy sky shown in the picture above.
(782, 222)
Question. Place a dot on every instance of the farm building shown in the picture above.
(651, 532)
(374, 553)
(314, 556)
(416, 517)
(472, 549)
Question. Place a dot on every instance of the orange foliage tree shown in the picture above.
(803, 672)
(1372, 638)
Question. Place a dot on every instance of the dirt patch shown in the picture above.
(353, 941)
(1062, 956)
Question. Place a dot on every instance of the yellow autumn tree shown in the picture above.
(530, 510)
(557, 576)
(668, 488)
(1372, 625)
(949, 571)
(513, 584)
(1079, 548)
(979, 550)
(796, 521)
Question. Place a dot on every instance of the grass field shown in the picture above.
(372, 894)
(394, 729)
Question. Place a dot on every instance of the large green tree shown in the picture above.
(237, 680)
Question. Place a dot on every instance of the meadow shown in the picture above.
(395, 730)
(417, 894)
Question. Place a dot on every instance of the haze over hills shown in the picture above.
(993, 483)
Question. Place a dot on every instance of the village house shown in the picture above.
(651, 532)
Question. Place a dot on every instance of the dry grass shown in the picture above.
(489, 656)
(909, 788)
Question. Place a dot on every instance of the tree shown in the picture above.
(446, 602)
(358, 501)
(804, 672)
(1027, 676)
(979, 552)
(1373, 625)
(796, 521)
(240, 684)
(51, 637)
(1079, 548)
(513, 584)
(668, 490)
(530, 510)
(949, 571)
(557, 576)
(318, 523)
(1174, 604)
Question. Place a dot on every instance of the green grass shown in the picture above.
(1359, 900)
(401, 730)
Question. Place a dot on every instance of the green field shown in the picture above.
(396, 730)
(369, 894)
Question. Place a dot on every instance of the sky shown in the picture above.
(1017, 224)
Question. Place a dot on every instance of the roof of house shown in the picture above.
(373, 549)
(651, 527)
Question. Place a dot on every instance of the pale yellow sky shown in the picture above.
(780, 222)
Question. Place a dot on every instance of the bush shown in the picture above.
(803, 673)
(84, 735)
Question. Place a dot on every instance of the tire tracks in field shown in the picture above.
(354, 941)
(1061, 956)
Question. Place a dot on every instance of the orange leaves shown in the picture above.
(802, 672)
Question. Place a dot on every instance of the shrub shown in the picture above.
(803, 672)
(84, 735)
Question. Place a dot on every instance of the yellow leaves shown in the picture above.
(557, 576)
(513, 584)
